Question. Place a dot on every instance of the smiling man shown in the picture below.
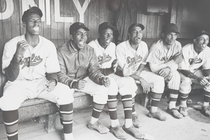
(164, 57)
(132, 55)
(80, 71)
(196, 67)
(30, 64)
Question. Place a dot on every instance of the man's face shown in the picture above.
(80, 37)
(169, 38)
(33, 24)
(136, 35)
(201, 42)
(106, 37)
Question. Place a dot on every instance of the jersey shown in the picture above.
(126, 55)
(106, 55)
(159, 54)
(36, 61)
(193, 60)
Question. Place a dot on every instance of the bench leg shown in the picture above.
(49, 124)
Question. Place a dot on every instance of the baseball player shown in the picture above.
(105, 52)
(80, 71)
(30, 64)
(196, 67)
(164, 57)
(131, 56)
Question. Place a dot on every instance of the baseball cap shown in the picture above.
(106, 25)
(171, 27)
(198, 33)
(75, 26)
(135, 25)
(32, 10)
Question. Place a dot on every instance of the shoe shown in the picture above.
(206, 110)
(98, 127)
(157, 115)
(135, 119)
(175, 113)
(183, 111)
(136, 134)
(118, 132)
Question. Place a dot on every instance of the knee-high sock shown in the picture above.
(183, 99)
(133, 106)
(66, 114)
(206, 98)
(155, 99)
(112, 106)
(127, 105)
(97, 109)
(11, 124)
(173, 94)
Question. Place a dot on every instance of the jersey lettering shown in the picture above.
(134, 60)
(31, 61)
(195, 61)
(103, 59)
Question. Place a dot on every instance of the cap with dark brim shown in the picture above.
(77, 25)
(32, 10)
(199, 33)
(135, 25)
(171, 28)
(105, 25)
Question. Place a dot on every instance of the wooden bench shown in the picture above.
(45, 111)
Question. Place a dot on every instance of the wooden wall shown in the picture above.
(60, 14)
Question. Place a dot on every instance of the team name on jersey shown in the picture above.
(103, 59)
(31, 61)
(134, 60)
(195, 61)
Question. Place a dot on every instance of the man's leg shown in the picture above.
(206, 99)
(155, 93)
(100, 97)
(62, 95)
(14, 95)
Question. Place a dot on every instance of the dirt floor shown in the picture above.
(194, 127)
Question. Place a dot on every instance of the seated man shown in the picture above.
(105, 52)
(164, 57)
(196, 67)
(80, 71)
(30, 64)
(132, 55)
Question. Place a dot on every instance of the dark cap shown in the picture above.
(198, 33)
(135, 25)
(75, 26)
(32, 10)
(171, 27)
(106, 25)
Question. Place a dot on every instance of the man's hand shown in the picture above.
(114, 65)
(204, 81)
(50, 85)
(80, 84)
(21, 48)
(165, 72)
(105, 81)
(146, 86)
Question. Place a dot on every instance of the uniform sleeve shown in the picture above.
(9, 66)
(62, 75)
(52, 64)
(206, 64)
(184, 65)
(120, 56)
(94, 69)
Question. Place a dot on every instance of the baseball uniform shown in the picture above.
(126, 85)
(194, 63)
(31, 80)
